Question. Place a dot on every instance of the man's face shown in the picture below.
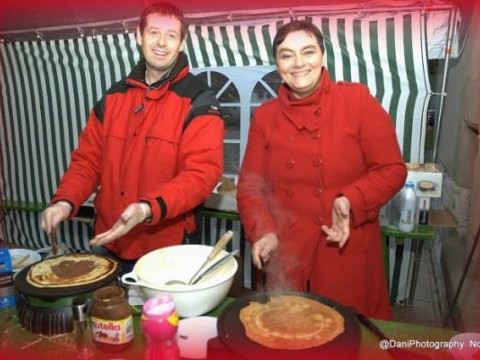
(299, 62)
(161, 42)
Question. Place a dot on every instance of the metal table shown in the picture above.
(419, 235)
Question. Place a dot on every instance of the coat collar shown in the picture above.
(303, 113)
(136, 78)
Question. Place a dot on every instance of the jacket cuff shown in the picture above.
(158, 208)
(357, 205)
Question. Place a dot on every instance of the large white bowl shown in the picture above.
(180, 262)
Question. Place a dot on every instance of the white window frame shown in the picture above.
(245, 79)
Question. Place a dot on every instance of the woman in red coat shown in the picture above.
(321, 161)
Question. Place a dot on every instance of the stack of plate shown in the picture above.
(22, 258)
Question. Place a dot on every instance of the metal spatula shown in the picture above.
(224, 240)
(214, 266)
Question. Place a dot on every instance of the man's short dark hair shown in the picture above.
(165, 9)
(297, 25)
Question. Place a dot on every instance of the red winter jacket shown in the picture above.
(300, 156)
(161, 144)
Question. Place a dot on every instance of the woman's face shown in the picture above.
(299, 62)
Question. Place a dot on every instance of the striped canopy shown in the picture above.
(49, 86)
(377, 50)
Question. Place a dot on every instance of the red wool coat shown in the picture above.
(300, 156)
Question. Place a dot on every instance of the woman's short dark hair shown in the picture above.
(165, 9)
(297, 25)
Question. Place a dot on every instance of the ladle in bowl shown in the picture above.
(224, 240)
(207, 271)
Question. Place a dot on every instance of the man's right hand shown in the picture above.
(54, 214)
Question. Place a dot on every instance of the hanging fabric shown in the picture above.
(49, 86)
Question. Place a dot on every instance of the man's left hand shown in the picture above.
(133, 215)
(340, 230)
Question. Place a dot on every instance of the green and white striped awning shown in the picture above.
(48, 87)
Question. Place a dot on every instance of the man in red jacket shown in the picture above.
(152, 148)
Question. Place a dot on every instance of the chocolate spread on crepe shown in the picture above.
(70, 270)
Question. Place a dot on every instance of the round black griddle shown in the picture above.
(22, 285)
(232, 333)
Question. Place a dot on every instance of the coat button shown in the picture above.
(291, 192)
(318, 220)
(317, 112)
(290, 163)
(291, 138)
(317, 192)
(317, 162)
(316, 136)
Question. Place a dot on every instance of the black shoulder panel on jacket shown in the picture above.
(203, 104)
(118, 87)
(202, 97)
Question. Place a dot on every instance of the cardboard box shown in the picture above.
(7, 291)
(221, 202)
(223, 197)
(427, 178)
(442, 218)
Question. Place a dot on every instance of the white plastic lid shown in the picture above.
(161, 305)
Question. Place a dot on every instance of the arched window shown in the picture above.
(265, 89)
(239, 90)
(229, 98)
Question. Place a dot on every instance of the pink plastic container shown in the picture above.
(160, 326)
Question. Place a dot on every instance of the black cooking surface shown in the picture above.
(232, 333)
(23, 286)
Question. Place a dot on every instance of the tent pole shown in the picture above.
(452, 306)
(443, 94)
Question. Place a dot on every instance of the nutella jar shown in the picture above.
(111, 319)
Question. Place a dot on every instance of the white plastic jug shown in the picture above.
(408, 208)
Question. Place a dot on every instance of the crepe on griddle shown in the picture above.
(291, 322)
(70, 270)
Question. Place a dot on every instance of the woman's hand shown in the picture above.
(133, 215)
(340, 230)
(263, 249)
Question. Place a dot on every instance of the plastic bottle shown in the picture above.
(423, 213)
(408, 208)
(394, 211)
(160, 326)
